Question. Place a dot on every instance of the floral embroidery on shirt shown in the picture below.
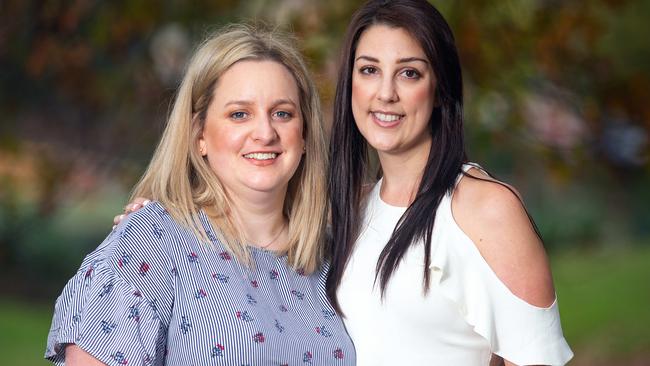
(307, 356)
(220, 277)
(273, 274)
(144, 268)
(120, 358)
(124, 259)
(106, 289)
(89, 272)
(134, 313)
(192, 257)
(259, 337)
(243, 315)
(157, 231)
(217, 350)
(279, 326)
(107, 327)
(186, 326)
(323, 331)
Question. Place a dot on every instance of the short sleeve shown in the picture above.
(516, 330)
(118, 304)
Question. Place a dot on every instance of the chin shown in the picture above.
(266, 185)
(383, 145)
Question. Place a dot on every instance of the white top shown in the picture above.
(467, 314)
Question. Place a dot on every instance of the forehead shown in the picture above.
(256, 80)
(388, 43)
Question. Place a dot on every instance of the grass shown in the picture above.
(23, 332)
(604, 302)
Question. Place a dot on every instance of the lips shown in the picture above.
(385, 119)
(261, 155)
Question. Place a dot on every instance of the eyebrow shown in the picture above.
(399, 61)
(248, 102)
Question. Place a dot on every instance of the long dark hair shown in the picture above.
(349, 150)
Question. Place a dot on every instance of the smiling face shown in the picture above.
(253, 132)
(393, 89)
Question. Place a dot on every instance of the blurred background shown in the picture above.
(557, 103)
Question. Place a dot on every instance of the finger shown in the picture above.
(141, 200)
(117, 219)
(132, 207)
(136, 204)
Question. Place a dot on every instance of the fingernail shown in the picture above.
(114, 226)
(121, 217)
(145, 202)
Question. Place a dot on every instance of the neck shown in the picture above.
(402, 174)
(262, 220)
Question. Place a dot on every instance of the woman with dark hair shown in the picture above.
(436, 263)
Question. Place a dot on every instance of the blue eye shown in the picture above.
(283, 114)
(238, 115)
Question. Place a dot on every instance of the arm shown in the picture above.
(495, 220)
(77, 356)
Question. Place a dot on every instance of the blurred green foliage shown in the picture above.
(557, 103)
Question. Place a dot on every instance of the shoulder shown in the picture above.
(143, 243)
(493, 216)
(151, 224)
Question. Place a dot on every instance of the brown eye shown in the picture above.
(368, 70)
(411, 74)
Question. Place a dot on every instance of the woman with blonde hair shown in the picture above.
(224, 266)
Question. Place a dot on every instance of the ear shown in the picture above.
(203, 150)
(202, 146)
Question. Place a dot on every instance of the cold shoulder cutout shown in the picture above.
(467, 315)
(493, 216)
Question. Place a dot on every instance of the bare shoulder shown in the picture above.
(493, 216)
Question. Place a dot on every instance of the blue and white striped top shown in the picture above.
(153, 294)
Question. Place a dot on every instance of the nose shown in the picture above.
(264, 130)
(387, 91)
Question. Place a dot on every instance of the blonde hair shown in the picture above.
(182, 180)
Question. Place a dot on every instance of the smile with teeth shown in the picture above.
(261, 155)
(387, 117)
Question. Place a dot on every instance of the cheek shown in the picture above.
(294, 135)
(358, 101)
(422, 100)
(223, 140)
(423, 94)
